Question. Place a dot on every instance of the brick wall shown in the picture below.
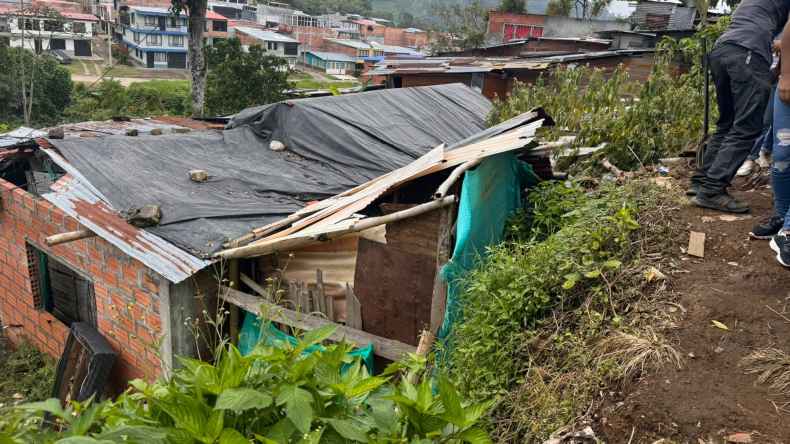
(311, 37)
(497, 20)
(339, 48)
(127, 292)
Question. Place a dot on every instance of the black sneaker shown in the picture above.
(783, 255)
(778, 242)
(767, 228)
(722, 202)
(693, 190)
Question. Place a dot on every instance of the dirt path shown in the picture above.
(711, 398)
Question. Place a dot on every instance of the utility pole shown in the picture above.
(109, 47)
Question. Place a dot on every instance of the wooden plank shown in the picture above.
(383, 347)
(233, 276)
(304, 300)
(447, 218)
(353, 309)
(330, 308)
(254, 285)
(696, 244)
(293, 295)
(320, 296)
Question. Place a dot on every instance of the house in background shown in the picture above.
(504, 27)
(351, 48)
(215, 28)
(72, 34)
(273, 43)
(152, 38)
(328, 62)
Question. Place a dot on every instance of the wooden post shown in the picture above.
(320, 298)
(423, 349)
(353, 309)
(304, 300)
(447, 217)
(233, 276)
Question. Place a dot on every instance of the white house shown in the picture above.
(273, 43)
(70, 31)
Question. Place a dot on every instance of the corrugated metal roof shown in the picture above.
(110, 127)
(332, 56)
(79, 202)
(265, 35)
(351, 43)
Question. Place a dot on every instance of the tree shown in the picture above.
(588, 9)
(465, 24)
(197, 61)
(112, 94)
(513, 6)
(237, 79)
(406, 20)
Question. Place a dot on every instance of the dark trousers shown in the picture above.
(743, 85)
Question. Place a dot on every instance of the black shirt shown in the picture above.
(755, 23)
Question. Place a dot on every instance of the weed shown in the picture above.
(27, 372)
(537, 312)
(773, 365)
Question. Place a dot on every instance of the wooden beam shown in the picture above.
(386, 348)
(364, 224)
(254, 285)
(233, 276)
(447, 218)
(71, 236)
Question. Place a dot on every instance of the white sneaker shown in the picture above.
(746, 168)
(763, 160)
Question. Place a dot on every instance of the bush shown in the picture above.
(276, 394)
(120, 54)
(27, 372)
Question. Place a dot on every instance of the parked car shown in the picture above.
(58, 55)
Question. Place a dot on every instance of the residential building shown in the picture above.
(328, 62)
(351, 48)
(157, 40)
(504, 27)
(536, 45)
(276, 44)
(69, 31)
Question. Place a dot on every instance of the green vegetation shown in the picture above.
(276, 394)
(259, 78)
(563, 307)
(27, 372)
(141, 99)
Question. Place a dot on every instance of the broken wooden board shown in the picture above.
(353, 309)
(383, 347)
(696, 244)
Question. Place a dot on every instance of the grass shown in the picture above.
(299, 76)
(312, 84)
(27, 372)
(773, 365)
(75, 68)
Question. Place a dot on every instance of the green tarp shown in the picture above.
(491, 194)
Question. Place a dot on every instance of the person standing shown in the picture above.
(763, 147)
(741, 65)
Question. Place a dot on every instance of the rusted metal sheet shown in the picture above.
(418, 234)
(394, 288)
(79, 202)
(110, 127)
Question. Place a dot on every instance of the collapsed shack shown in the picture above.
(352, 193)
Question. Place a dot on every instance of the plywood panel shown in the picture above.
(394, 288)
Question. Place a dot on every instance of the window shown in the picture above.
(176, 40)
(32, 25)
(136, 36)
(60, 290)
(132, 16)
(521, 32)
(219, 26)
(378, 53)
(181, 22)
(271, 46)
(150, 20)
(477, 82)
(154, 40)
(160, 57)
(78, 28)
(291, 49)
(362, 52)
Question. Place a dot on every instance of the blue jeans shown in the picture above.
(780, 165)
(765, 142)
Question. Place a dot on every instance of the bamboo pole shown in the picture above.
(282, 244)
(71, 236)
(272, 227)
(233, 273)
(442, 191)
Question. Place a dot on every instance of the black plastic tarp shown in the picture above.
(332, 144)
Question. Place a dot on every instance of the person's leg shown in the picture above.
(750, 84)
(780, 179)
(724, 102)
(768, 142)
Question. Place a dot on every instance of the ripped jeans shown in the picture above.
(780, 165)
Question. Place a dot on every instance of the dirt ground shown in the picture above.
(737, 283)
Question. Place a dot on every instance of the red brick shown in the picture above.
(138, 346)
(142, 298)
(124, 287)
(130, 273)
(95, 255)
(50, 228)
(38, 223)
(154, 322)
(71, 224)
(150, 284)
(80, 246)
(95, 270)
(42, 207)
(101, 243)
(113, 264)
(30, 202)
(101, 291)
(58, 216)
(71, 256)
